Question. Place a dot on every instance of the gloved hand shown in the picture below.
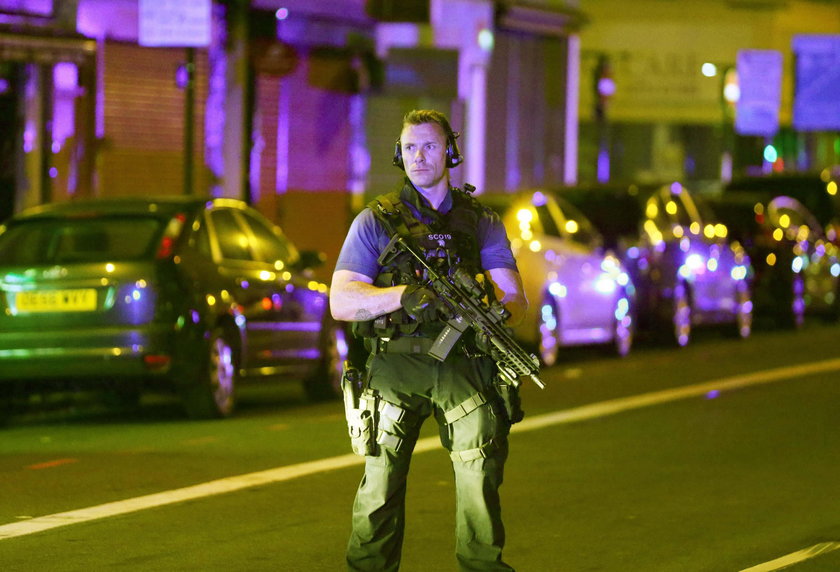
(484, 345)
(500, 309)
(421, 303)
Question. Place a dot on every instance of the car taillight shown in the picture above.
(173, 229)
(156, 362)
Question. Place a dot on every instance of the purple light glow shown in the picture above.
(66, 76)
(182, 76)
(114, 20)
(29, 134)
(603, 166)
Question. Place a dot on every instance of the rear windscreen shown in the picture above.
(64, 241)
(812, 192)
(614, 215)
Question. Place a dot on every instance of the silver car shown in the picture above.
(579, 293)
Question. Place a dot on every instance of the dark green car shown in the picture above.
(181, 293)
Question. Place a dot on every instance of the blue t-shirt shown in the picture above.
(367, 238)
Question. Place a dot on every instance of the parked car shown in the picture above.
(686, 271)
(816, 191)
(796, 267)
(182, 293)
(579, 293)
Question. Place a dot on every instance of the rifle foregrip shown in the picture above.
(464, 295)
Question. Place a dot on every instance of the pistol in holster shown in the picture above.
(360, 408)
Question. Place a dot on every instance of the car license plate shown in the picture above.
(77, 300)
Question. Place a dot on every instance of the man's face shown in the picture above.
(424, 154)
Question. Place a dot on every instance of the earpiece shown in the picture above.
(453, 154)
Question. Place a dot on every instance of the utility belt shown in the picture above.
(419, 345)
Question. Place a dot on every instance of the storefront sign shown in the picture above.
(815, 104)
(28, 8)
(175, 23)
(760, 83)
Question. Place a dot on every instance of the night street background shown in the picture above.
(717, 481)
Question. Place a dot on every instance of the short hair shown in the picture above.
(421, 116)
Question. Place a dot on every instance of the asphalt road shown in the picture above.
(722, 456)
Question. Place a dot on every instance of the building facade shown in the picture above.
(667, 119)
(292, 106)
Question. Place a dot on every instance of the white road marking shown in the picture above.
(279, 474)
(794, 557)
(613, 406)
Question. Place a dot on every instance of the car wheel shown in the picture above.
(325, 382)
(624, 329)
(213, 393)
(743, 311)
(791, 314)
(834, 311)
(548, 332)
(681, 319)
(798, 305)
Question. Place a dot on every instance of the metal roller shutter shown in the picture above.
(142, 151)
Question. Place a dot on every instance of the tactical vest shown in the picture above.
(447, 240)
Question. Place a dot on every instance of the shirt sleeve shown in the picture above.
(495, 246)
(364, 242)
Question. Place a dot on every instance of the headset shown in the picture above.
(453, 154)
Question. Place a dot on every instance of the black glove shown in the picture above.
(500, 309)
(484, 345)
(421, 303)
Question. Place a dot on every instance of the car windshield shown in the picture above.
(615, 215)
(577, 225)
(61, 241)
(818, 196)
(740, 217)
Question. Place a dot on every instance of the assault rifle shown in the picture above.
(464, 298)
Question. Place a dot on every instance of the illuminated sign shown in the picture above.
(27, 7)
(815, 106)
(760, 83)
(175, 23)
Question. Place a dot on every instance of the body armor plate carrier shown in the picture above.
(447, 240)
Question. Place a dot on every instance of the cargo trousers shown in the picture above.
(473, 427)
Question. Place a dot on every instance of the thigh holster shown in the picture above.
(361, 423)
(372, 421)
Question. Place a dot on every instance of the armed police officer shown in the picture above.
(382, 291)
